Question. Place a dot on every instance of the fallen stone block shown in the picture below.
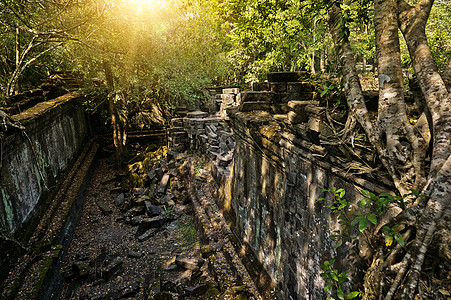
(119, 200)
(153, 210)
(189, 263)
(112, 268)
(296, 118)
(163, 183)
(267, 97)
(197, 291)
(251, 106)
(147, 235)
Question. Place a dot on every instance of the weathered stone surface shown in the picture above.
(296, 118)
(228, 99)
(196, 114)
(147, 235)
(266, 97)
(287, 76)
(261, 86)
(278, 87)
(58, 126)
(150, 223)
(163, 183)
(299, 87)
(276, 179)
(177, 122)
(250, 106)
(302, 96)
(231, 91)
(298, 106)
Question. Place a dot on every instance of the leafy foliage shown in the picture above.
(368, 212)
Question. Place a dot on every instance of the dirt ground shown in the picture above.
(109, 259)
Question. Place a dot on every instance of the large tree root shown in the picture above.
(434, 215)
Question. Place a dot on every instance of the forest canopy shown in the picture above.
(174, 48)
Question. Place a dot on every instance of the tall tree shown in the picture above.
(400, 145)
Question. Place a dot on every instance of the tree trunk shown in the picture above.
(401, 145)
(119, 132)
(412, 24)
(446, 76)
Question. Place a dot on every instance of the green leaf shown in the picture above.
(399, 238)
(386, 195)
(340, 294)
(334, 275)
(364, 192)
(342, 278)
(339, 243)
(386, 229)
(355, 221)
(372, 218)
(352, 295)
(363, 222)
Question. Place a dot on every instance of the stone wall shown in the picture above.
(283, 157)
(31, 164)
(275, 182)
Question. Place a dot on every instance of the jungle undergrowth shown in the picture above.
(360, 219)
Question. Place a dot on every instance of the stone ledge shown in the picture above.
(43, 107)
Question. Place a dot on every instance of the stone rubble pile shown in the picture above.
(207, 135)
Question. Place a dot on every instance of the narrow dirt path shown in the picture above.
(145, 244)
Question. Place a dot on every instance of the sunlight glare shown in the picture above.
(143, 5)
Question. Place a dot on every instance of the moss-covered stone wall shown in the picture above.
(33, 159)
(277, 176)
